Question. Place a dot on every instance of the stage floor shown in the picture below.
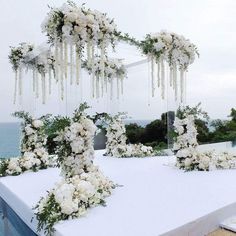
(156, 199)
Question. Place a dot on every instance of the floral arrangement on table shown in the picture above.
(34, 155)
(26, 56)
(72, 30)
(177, 51)
(84, 185)
(116, 141)
(188, 157)
(113, 69)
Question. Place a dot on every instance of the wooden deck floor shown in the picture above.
(222, 232)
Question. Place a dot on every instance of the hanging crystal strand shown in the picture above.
(50, 80)
(43, 88)
(56, 53)
(33, 79)
(111, 89)
(181, 84)
(65, 59)
(37, 84)
(20, 81)
(152, 74)
(93, 71)
(93, 81)
(149, 82)
(158, 73)
(102, 87)
(89, 52)
(92, 55)
(102, 64)
(78, 64)
(175, 82)
(92, 62)
(71, 63)
(106, 83)
(162, 79)
(118, 88)
(15, 87)
(61, 71)
(171, 76)
(97, 88)
(122, 85)
(185, 86)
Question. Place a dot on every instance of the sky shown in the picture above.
(210, 24)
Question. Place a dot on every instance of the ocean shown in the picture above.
(9, 139)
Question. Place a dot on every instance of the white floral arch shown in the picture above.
(79, 37)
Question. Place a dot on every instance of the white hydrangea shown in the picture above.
(189, 157)
(79, 136)
(116, 142)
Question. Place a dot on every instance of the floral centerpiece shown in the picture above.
(177, 51)
(116, 142)
(34, 155)
(113, 69)
(16, 57)
(72, 29)
(84, 185)
(40, 61)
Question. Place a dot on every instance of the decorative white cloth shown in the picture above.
(155, 199)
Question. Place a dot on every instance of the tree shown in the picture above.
(134, 133)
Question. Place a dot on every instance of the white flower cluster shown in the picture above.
(116, 142)
(75, 146)
(34, 155)
(27, 56)
(75, 194)
(213, 160)
(40, 61)
(173, 48)
(114, 68)
(83, 186)
(189, 157)
(79, 25)
(186, 142)
(18, 54)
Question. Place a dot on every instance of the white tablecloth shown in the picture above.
(155, 199)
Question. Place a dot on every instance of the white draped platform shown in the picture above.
(156, 199)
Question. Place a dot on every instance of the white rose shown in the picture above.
(29, 130)
(37, 123)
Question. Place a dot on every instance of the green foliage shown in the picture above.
(46, 220)
(196, 111)
(80, 111)
(223, 130)
(127, 38)
(134, 133)
(203, 131)
(23, 115)
(233, 114)
(56, 125)
(3, 167)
